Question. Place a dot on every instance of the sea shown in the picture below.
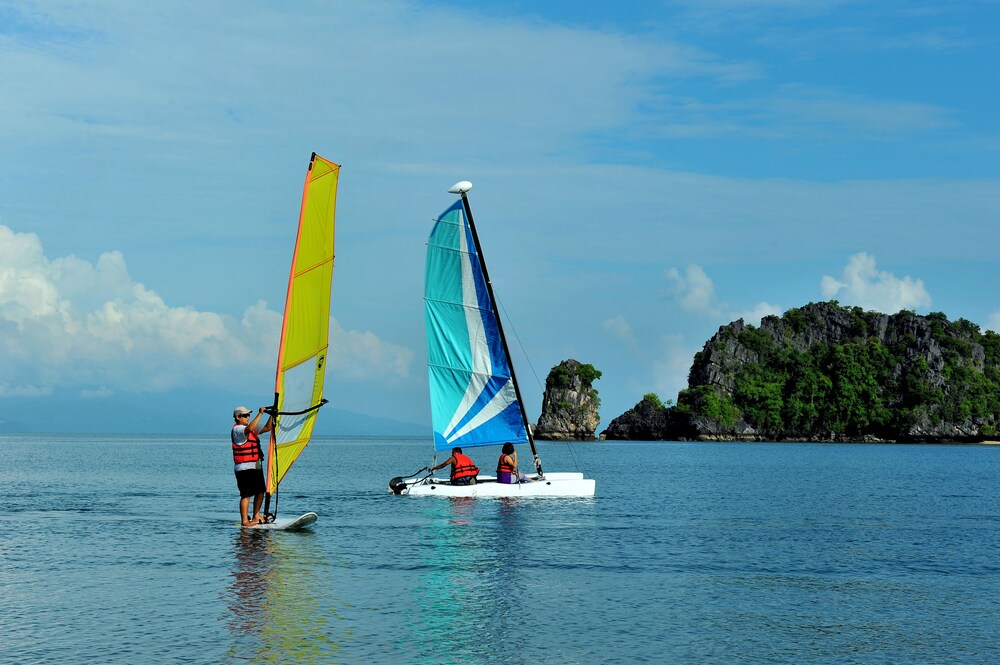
(126, 549)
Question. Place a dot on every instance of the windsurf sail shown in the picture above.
(302, 353)
(473, 391)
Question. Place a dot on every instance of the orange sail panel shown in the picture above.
(302, 354)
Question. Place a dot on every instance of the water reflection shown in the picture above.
(280, 610)
(250, 579)
(468, 600)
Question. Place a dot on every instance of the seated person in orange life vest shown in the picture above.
(463, 471)
(507, 467)
(248, 459)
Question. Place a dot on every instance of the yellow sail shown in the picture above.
(302, 354)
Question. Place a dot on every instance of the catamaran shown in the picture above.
(302, 352)
(475, 398)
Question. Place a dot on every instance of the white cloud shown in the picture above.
(694, 290)
(873, 118)
(863, 285)
(362, 355)
(796, 113)
(509, 70)
(753, 315)
(670, 368)
(7, 390)
(619, 327)
(69, 323)
(96, 393)
(993, 323)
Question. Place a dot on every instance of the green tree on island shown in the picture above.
(858, 384)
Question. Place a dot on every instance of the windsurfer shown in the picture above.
(247, 459)
(463, 471)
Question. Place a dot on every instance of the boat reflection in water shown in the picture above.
(470, 597)
(280, 610)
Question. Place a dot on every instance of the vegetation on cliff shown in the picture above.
(827, 372)
(649, 420)
(570, 404)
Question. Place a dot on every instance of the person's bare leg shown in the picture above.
(257, 501)
(244, 506)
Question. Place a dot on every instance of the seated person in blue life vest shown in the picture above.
(507, 467)
(248, 459)
(463, 471)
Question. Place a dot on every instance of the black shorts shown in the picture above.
(250, 482)
(468, 480)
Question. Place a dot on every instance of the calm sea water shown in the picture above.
(125, 550)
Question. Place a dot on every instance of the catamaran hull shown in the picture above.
(553, 485)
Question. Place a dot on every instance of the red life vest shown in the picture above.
(249, 451)
(505, 467)
(463, 467)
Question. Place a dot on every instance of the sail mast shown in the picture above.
(461, 188)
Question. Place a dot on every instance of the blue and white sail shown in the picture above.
(473, 398)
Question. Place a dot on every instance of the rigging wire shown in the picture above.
(512, 328)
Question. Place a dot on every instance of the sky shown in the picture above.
(644, 173)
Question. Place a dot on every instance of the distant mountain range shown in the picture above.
(170, 413)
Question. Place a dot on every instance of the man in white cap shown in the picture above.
(248, 459)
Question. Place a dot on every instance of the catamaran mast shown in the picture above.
(461, 188)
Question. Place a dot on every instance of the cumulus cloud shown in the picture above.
(694, 290)
(753, 315)
(618, 327)
(994, 322)
(863, 285)
(67, 323)
(670, 369)
(362, 355)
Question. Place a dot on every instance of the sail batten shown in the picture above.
(314, 267)
(294, 363)
(302, 352)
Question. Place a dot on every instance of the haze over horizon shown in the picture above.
(644, 173)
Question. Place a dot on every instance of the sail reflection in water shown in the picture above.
(470, 595)
(280, 610)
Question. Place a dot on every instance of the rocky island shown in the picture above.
(824, 372)
(570, 404)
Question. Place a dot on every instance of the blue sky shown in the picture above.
(644, 173)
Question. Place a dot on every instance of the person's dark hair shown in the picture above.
(457, 450)
(508, 448)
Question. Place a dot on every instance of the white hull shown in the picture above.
(554, 484)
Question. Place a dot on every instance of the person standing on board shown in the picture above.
(248, 459)
(463, 471)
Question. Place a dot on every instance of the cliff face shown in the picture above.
(829, 373)
(570, 404)
(649, 420)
